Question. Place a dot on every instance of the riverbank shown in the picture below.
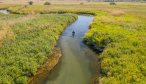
(32, 39)
(78, 63)
(51, 62)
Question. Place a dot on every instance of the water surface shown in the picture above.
(4, 11)
(78, 62)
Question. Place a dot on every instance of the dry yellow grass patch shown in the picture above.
(117, 12)
(4, 33)
(5, 30)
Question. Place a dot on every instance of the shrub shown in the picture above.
(30, 2)
(47, 3)
(112, 3)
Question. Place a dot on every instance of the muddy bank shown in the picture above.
(51, 62)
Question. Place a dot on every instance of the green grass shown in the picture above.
(120, 29)
(29, 46)
(124, 59)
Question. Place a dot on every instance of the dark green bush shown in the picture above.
(47, 3)
(30, 2)
(112, 3)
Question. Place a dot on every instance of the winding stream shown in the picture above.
(79, 63)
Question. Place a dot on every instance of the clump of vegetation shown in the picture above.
(112, 3)
(29, 46)
(30, 2)
(47, 3)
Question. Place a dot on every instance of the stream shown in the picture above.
(78, 64)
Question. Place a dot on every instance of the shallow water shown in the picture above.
(78, 63)
(4, 11)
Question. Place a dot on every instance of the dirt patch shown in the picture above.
(47, 67)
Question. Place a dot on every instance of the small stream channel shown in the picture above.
(78, 64)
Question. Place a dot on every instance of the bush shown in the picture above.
(112, 3)
(47, 3)
(30, 2)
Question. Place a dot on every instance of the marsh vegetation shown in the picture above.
(120, 29)
(27, 44)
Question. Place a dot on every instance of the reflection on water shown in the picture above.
(78, 63)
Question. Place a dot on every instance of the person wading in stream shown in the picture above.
(73, 33)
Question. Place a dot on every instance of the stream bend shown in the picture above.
(78, 62)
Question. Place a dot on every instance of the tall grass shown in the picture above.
(29, 47)
(120, 29)
(124, 59)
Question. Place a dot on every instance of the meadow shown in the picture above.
(28, 45)
(124, 42)
(119, 29)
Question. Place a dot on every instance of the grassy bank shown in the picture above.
(122, 34)
(119, 28)
(29, 46)
(123, 60)
(46, 68)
